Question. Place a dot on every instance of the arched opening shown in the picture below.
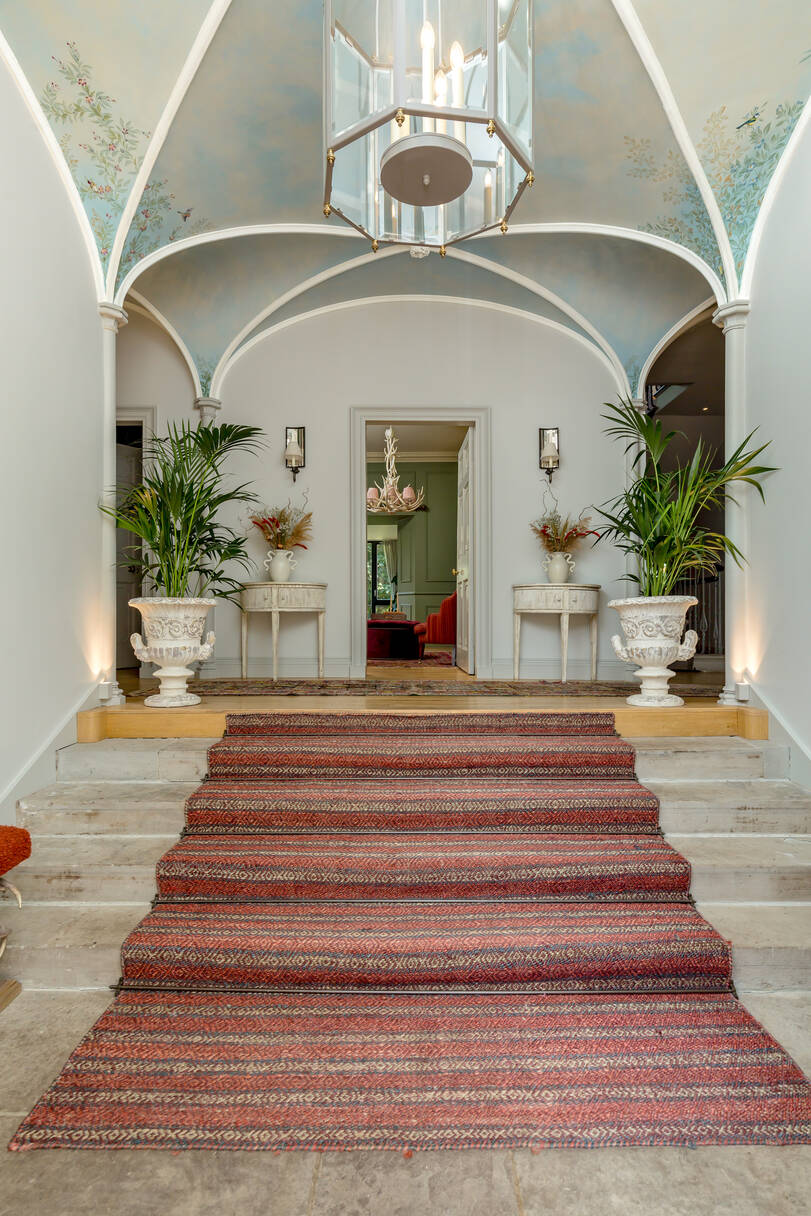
(685, 387)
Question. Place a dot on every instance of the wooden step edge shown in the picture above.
(695, 719)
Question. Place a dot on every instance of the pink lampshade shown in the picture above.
(372, 494)
(409, 494)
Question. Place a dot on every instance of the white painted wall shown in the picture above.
(407, 353)
(779, 402)
(52, 458)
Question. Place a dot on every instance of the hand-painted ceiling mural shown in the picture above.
(654, 122)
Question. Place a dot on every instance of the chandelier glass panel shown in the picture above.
(428, 116)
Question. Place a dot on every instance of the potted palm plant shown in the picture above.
(183, 550)
(661, 519)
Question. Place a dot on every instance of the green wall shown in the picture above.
(426, 540)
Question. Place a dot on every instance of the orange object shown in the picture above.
(15, 846)
(440, 626)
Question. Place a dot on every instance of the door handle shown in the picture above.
(454, 571)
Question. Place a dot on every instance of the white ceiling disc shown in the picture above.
(426, 170)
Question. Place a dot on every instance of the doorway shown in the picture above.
(415, 605)
(129, 448)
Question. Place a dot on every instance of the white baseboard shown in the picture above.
(782, 731)
(262, 668)
(549, 669)
(40, 768)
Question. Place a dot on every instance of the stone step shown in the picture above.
(716, 758)
(67, 946)
(186, 759)
(119, 869)
(120, 807)
(134, 760)
(747, 868)
(78, 946)
(757, 805)
(771, 943)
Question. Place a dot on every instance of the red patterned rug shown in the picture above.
(320, 805)
(398, 931)
(414, 866)
(434, 658)
(193, 1070)
(523, 947)
(265, 687)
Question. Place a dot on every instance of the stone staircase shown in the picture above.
(117, 806)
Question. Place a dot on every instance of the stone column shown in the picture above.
(731, 318)
(207, 407)
(112, 318)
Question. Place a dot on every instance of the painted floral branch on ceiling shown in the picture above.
(687, 222)
(205, 370)
(739, 160)
(104, 153)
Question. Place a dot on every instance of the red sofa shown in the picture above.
(440, 626)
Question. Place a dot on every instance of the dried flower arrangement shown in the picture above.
(562, 533)
(286, 527)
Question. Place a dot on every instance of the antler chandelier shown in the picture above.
(428, 117)
(384, 497)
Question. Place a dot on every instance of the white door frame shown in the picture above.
(479, 419)
(146, 414)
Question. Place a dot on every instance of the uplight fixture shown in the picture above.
(428, 116)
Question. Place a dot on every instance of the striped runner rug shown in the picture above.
(416, 932)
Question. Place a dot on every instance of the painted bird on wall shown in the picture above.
(750, 119)
(184, 215)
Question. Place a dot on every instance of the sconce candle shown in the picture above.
(294, 449)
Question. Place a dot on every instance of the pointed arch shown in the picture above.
(650, 61)
(768, 200)
(412, 297)
(60, 164)
(205, 34)
(610, 230)
(147, 309)
(322, 277)
(688, 321)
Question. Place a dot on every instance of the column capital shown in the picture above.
(208, 407)
(112, 317)
(732, 315)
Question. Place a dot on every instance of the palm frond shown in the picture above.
(174, 510)
(658, 517)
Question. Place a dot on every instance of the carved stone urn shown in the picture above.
(174, 637)
(653, 628)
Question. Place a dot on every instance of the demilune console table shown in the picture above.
(276, 598)
(564, 600)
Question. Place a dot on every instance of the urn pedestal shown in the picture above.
(653, 628)
(174, 631)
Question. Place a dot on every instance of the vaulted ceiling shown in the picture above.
(190, 137)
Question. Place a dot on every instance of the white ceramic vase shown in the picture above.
(174, 637)
(653, 626)
(559, 567)
(280, 564)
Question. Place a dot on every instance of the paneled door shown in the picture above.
(464, 558)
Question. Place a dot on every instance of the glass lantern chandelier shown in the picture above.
(428, 117)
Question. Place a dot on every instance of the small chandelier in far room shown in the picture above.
(428, 116)
(385, 497)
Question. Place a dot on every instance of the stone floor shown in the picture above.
(39, 1029)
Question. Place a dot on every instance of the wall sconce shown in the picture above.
(549, 447)
(294, 449)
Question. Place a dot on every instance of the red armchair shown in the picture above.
(440, 626)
